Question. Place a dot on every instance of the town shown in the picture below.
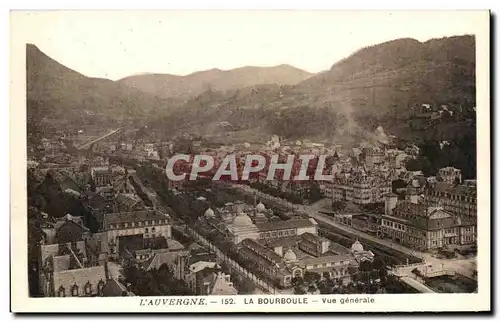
(105, 219)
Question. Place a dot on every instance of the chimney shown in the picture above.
(412, 196)
(391, 200)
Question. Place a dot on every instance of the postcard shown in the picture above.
(250, 161)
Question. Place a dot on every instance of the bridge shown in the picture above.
(406, 275)
(425, 269)
(420, 287)
(89, 144)
(445, 272)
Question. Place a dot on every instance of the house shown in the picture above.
(416, 224)
(65, 230)
(460, 200)
(450, 175)
(144, 223)
(68, 269)
(282, 265)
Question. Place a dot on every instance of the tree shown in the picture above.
(352, 270)
(225, 267)
(311, 277)
(324, 288)
(243, 285)
(374, 274)
(314, 192)
(297, 280)
(355, 278)
(338, 205)
(378, 263)
(360, 288)
(365, 266)
(312, 288)
(298, 290)
(383, 275)
(365, 276)
(373, 289)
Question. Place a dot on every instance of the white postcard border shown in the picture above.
(21, 302)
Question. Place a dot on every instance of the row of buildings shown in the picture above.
(198, 267)
(71, 263)
(421, 225)
(282, 250)
(444, 217)
(77, 261)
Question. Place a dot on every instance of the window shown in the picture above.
(74, 290)
(160, 222)
(88, 288)
(61, 292)
(126, 225)
(153, 222)
(133, 224)
(111, 227)
(146, 230)
(140, 223)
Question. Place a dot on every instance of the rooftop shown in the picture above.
(134, 216)
(313, 238)
(458, 189)
(261, 250)
(285, 224)
(115, 288)
(339, 249)
(325, 259)
(79, 277)
(282, 242)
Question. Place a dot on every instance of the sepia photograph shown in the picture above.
(250, 161)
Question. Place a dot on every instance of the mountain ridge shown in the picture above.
(60, 94)
(376, 85)
(177, 86)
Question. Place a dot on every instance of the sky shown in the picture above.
(116, 44)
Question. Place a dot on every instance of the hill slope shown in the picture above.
(165, 85)
(62, 95)
(375, 86)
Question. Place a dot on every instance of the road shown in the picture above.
(103, 137)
